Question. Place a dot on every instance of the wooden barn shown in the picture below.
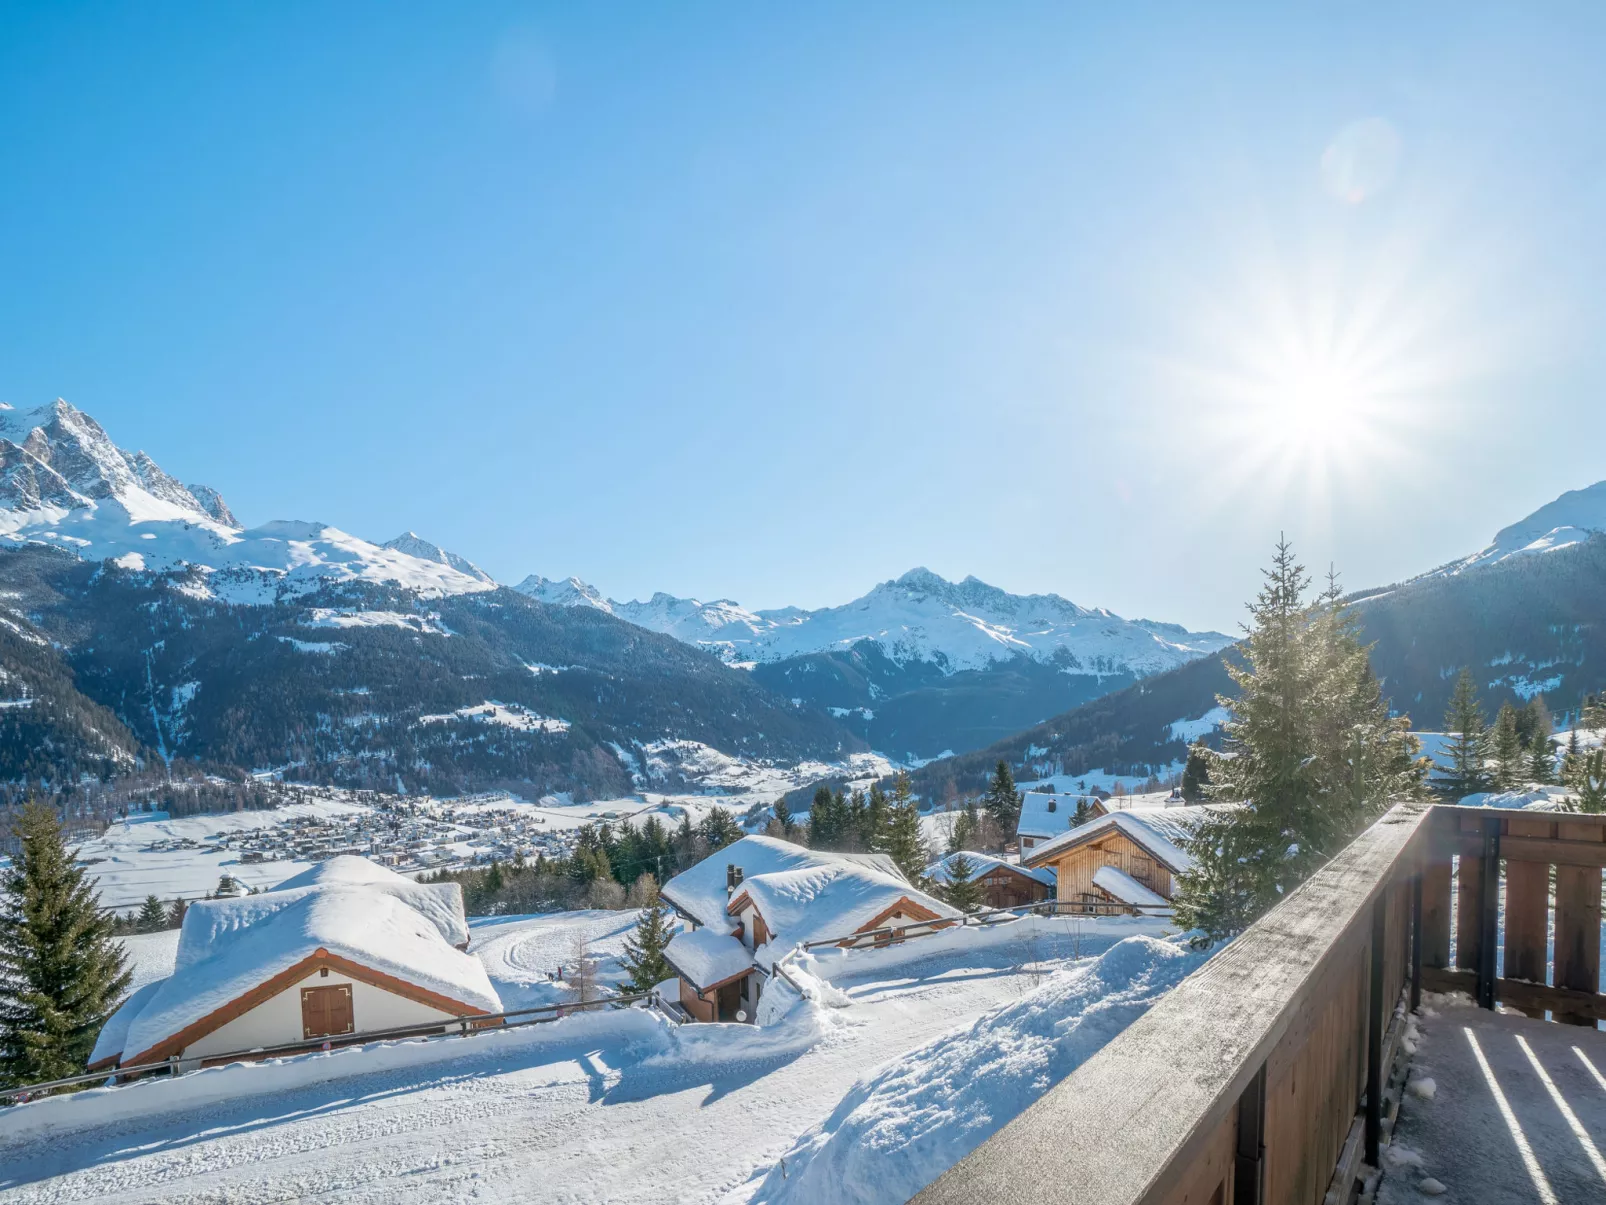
(1004, 884)
(1130, 857)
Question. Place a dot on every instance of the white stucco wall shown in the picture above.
(277, 1020)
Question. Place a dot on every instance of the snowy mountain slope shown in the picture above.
(63, 482)
(1568, 520)
(413, 544)
(918, 617)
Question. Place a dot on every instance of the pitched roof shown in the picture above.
(1116, 882)
(379, 921)
(981, 864)
(836, 900)
(1162, 832)
(1044, 815)
(707, 957)
(700, 891)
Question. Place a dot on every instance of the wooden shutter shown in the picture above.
(326, 1011)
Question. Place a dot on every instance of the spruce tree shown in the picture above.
(1541, 759)
(1083, 814)
(1315, 755)
(1195, 774)
(152, 916)
(905, 844)
(1466, 774)
(962, 890)
(61, 973)
(643, 955)
(784, 821)
(175, 913)
(1505, 746)
(1587, 778)
(877, 820)
(1003, 800)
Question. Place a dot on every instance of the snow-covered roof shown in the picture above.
(1535, 798)
(1044, 815)
(1124, 887)
(1163, 832)
(700, 891)
(347, 907)
(707, 956)
(980, 864)
(817, 903)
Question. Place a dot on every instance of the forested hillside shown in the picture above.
(365, 684)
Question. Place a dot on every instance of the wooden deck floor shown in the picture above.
(1518, 1113)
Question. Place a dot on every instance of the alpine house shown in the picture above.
(761, 897)
(343, 949)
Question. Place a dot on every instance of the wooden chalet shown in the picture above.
(1130, 857)
(1003, 884)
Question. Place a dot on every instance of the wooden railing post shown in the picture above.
(1416, 941)
(1488, 911)
(1374, 1032)
(1578, 925)
(1249, 1155)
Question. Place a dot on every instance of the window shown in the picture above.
(326, 1011)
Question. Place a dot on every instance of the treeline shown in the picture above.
(1519, 749)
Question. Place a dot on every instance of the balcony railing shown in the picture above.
(1264, 1076)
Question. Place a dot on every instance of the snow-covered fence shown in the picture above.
(478, 1023)
(1297, 1010)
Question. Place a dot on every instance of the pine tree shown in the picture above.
(1541, 748)
(175, 913)
(877, 820)
(962, 890)
(643, 956)
(1315, 755)
(1083, 814)
(904, 843)
(1003, 800)
(1587, 778)
(784, 821)
(152, 916)
(1195, 774)
(1505, 745)
(1466, 774)
(61, 974)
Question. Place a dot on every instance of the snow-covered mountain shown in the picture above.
(1570, 519)
(413, 544)
(920, 616)
(63, 482)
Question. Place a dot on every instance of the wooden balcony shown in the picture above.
(1275, 1072)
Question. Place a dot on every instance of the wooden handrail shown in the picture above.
(1154, 1116)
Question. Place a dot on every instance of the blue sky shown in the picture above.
(774, 302)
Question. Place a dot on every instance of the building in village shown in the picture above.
(1044, 816)
(761, 897)
(1003, 884)
(1129, 857)
(340, 950)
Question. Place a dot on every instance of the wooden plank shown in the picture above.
(1436, 914)
(1537, 849)
(1137, 1120)
(1577, 936)
(1527, 905)
(1532, 998)
(1468, 921)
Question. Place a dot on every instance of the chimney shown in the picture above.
(733, 878)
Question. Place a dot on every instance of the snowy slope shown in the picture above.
(917, 617)
(1570, 519)
(63, 482)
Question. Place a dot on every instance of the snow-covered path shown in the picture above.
(624, 1110)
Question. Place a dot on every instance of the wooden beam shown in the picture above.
(1374, 1032)
(1533, 849)
(1531, 998)
(1436, 913)
(1577, 938)
(1136, 1122)
(1488, 910)
(1249, 1157)
(1527, 904)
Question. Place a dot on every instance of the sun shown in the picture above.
(1317, 409)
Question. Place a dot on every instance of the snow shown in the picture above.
(326, 617)
(1161, 831)
(1044, 814)
(708, 956)
(1539, 799)
(1125, 888)
(117, 506)
(824, 902)
(149, 956)
(908, 1121)
(615, 1106)
(1574, 517)
(505, 715)
(1192, 730)
(917, 617)
(522, 955)
(980, 864)
(700, 892)
(346, 906)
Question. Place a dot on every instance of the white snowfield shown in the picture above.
(1570, 519)
(917, 617)
(619, 1106)
(63, 482)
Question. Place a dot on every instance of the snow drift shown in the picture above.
(907, 1122)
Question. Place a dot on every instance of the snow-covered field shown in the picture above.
(619, 1106)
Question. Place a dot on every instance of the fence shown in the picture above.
(476, 1023)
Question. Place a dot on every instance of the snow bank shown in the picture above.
(907, 1122)
(643, 1030)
